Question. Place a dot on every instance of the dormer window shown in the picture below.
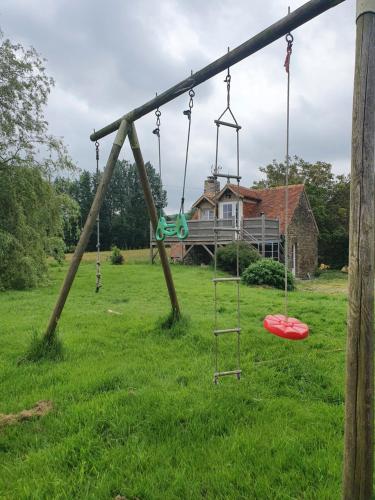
(207, 214)
(228, 210)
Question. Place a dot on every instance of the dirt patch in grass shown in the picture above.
(40, 409)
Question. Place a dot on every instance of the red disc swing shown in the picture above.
(280, 324)
(285, 327)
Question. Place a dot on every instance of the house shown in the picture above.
(261, 219)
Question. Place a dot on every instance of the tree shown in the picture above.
(29, 218)
(70, 211)
(24, 91)
(329, 198)
(31, 211)
(130, 220)
(124, 219)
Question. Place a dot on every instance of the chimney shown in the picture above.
(209, 185)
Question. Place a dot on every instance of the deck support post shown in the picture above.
(151, 247)
(138, 158)
(359, 398)
(263, 235)
(87, 230)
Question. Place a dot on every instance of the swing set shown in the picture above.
(358, 457)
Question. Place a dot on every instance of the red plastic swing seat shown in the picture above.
(287, 328)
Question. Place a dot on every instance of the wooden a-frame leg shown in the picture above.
(132, 134)
(87, 230)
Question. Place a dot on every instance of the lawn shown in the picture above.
(135, 412)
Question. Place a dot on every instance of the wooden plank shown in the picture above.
(154, 254)
(187, 252)
(300, 16)
(208, 250)
(87, 230)
(359, 399)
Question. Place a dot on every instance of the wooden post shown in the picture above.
(151, 247)
(263, 235)
(358, 454)
(153, 217)
(87, 230)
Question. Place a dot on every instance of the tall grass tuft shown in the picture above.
(172, 325)
(41, 349)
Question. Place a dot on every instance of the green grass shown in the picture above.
(135, 410)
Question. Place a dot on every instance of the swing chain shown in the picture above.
(156, 131)
(97, 155)
(289, 39)
(191, 95)
(227, 81)
(187, 112)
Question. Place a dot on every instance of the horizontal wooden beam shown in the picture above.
(300, 16)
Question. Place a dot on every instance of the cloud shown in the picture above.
(109, 57)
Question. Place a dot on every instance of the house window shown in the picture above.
(227, 210)
(207, 214)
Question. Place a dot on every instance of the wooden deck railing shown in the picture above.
(256, 230)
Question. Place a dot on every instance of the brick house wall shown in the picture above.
(303, 235)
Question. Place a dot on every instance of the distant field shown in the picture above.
(131, 256)
(329, 282)
(135, 412)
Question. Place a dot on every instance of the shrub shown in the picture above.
(17, 270)
(317, 272)
(267, 272)
(55, 247)
(227, 257)
(116, 256)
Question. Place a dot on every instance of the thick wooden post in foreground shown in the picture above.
(153, 217)
(359, 400)
(87, 230)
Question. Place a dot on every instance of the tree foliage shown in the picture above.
(329, 196)
(124, 220)
(29, 218)
(24, 91)
(32, 214)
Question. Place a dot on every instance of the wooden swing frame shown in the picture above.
(358, 454)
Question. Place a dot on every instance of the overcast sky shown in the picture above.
(110, 57)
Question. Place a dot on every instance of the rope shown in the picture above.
(289, 39)
(187, 113)
(98, 273)
(237, 226)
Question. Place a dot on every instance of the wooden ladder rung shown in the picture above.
(217, 375)
(227, 330)
(218, 280)
(228, 124)
(228, 176)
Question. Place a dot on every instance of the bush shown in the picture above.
(55, 247)
(317, 272)
(17, 270)
(267, 272)
(227, 257)
(116, 256)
